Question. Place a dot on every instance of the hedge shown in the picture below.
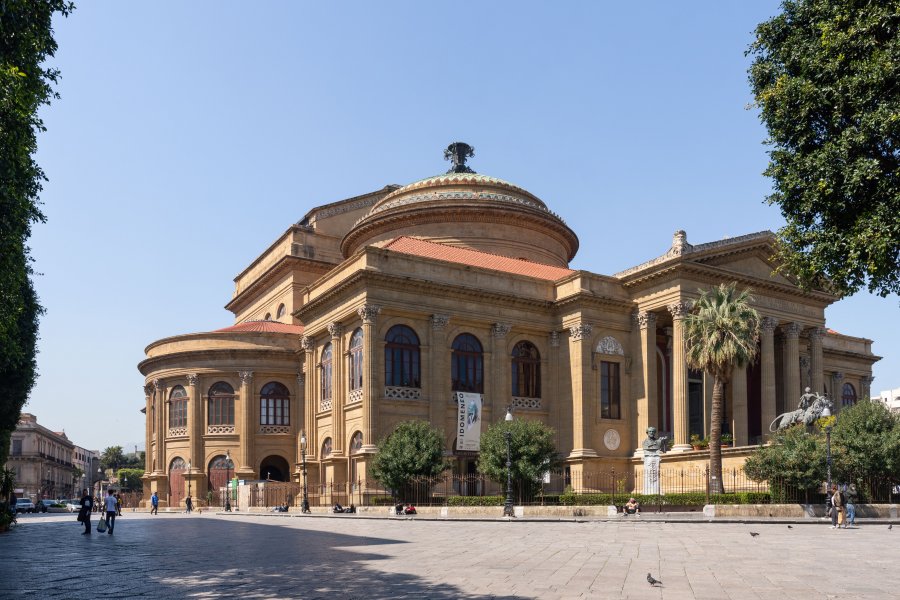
(475, 501)
(687, 499)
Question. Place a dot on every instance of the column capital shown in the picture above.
(439, 322)
(554, 339)
(368, 313)
(246, 377)
(335, 329)
(816, 333)
(837, 376)
(307, 343)
(645, 319)
(804, 362)
(580, 331)
(791, 329)
(192, 378)
(500, 330)
(768, 324)
(680, 309)
(301, 379)
(159, 385)
(148, 389)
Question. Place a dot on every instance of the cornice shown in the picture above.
(589, 299)
(280, 268)
(249, 355)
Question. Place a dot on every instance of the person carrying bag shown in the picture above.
(84, 513)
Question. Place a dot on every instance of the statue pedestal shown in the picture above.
(651, 474)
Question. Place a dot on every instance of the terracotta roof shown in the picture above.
(477, 258)
(262, 327)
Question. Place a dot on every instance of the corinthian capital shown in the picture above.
(680, 309)
(307, 343)
(368, 312)
(581, 331)
(148, 389)
(645, 319)
(246, 376)
(191, 378)
(768, 324)
(816, 333)
(335, 329)
(792, 329)
(500, 330)
(554, 339)
(439, 322)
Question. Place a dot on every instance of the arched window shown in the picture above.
(401, 358)
(526, 371)
(326, 370)
(268, 317)
(326, 448)
(467, 368)
(274, 404)
(356, 360)
(848, 395)
(221, 404)
(356, 442)
(177, 407)
(280, 312)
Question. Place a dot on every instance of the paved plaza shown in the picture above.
(350, 557)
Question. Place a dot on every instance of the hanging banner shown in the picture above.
(468, 421)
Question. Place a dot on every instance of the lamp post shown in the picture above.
(189, 477)
(304, 507)
(100, 484)
(508, 505)
(228, 466)
(827, 413)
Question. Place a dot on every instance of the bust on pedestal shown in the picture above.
(653, 447)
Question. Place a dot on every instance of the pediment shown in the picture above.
(754, 266)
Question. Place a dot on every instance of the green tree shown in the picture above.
(720, 333)
(865, 444)
(26, 42)
(112, 458)
(413, 450)
(532, 453)
(130, 479)
(826, 78)
(794, 458)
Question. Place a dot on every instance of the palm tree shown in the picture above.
(720, 333)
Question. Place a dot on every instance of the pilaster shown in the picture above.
(767, 373)
(338, 389)
(791, 368)
(311, 397)
(739, 406)
(195, 422)
(160, 387)
(501, 379)
(816, 368)
(648, 403)
(439, 379)
(148, 432)
(582, 403)
(247, 467)
(680, 407)
(371, 359)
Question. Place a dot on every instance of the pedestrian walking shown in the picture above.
(188, 505)
(838, 504)
(852, 499)
(118, 504)
(154, 504)
(110, 512)
(84, 513)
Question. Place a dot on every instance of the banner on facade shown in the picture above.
(468, 421)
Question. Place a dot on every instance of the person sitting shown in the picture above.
(350, 509)
(338, 508)
(632, 507)
(398, 509)
(409, 509)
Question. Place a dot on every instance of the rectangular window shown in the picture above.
(610, 402)
(16, 448)
(274, 411)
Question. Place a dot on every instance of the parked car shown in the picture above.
(24, 505)
(73, 505)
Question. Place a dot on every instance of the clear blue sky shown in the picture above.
(190, 135)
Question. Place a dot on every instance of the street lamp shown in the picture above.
(508, 505)
(100, 483)
(228, 466)
(304, 507)
(827, 413)
(189, 478)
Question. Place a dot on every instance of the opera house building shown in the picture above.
(396, 304)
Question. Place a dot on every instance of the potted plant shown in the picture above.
(727, 439)
(704, 443)
(696, 441)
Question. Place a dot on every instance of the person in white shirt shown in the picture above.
(111, 503)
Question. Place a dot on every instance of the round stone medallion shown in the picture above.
(611, 439)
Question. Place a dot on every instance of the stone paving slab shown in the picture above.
(247, 556)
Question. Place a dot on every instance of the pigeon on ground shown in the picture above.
(890, 525)
(652, 581)
(790, 526)
(754, 533)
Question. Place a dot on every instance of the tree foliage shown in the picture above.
(826, 78)
(130, 479)
(413, 450)
(112, 458)
(720, 333)
(26, 42)
(794, 458)
(532, 453)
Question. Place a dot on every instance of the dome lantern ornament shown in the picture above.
(457, 153)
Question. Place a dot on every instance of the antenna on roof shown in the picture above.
(457, 153)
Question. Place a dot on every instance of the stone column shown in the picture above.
(648, 403)
(148, 434)
(440, 394)
(247, 467)
(582, 403)
(298, 419)
(311, 397)
(739, 406)
(338, 398)
(791, 365)
(837, 390)
(161, 466)
(501, 384)
(195, 422)
(816, 367)
(368, 313)
(680, 407)
(767, 373)
(865, 386)
(804, 373)
(550, 394)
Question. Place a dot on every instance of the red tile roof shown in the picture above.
(477, 258)
(262, 327)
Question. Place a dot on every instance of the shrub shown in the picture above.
(475, 501)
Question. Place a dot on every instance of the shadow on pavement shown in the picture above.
(205, 558)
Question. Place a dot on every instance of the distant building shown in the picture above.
(42, 460)
(88, 462)
(891, 399)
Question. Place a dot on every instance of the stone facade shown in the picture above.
(353, 321)
(42, 461)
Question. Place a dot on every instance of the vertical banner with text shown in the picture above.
(468, 421)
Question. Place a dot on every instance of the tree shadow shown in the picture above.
(207, 558)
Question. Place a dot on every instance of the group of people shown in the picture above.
(112, 505)
(337, 508)
(841, 505)
(405, 509)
